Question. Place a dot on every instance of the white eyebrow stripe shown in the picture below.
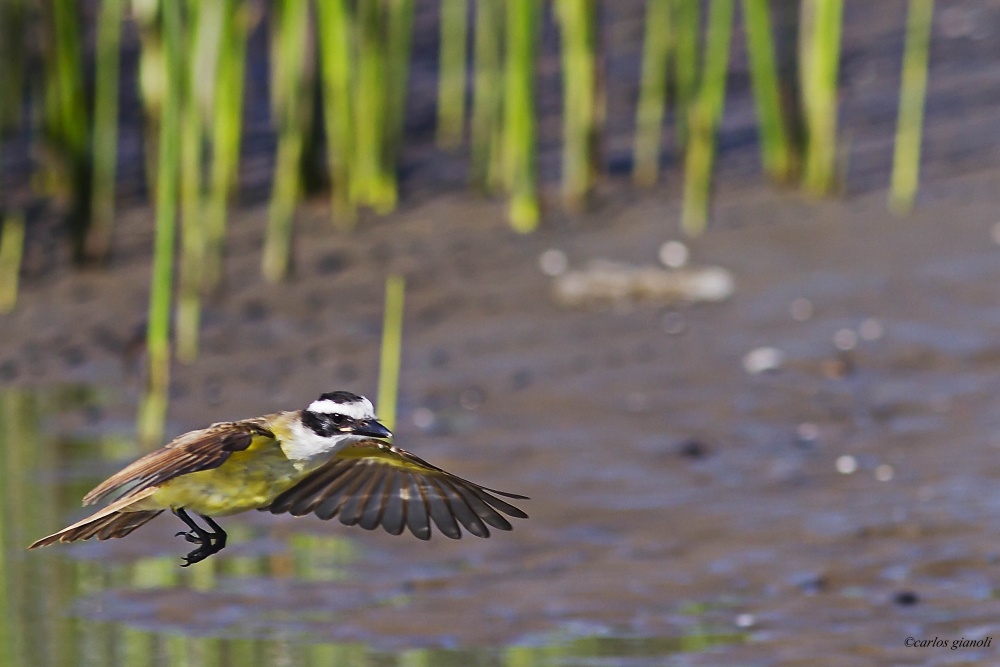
(357, 410)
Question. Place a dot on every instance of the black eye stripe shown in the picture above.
(325, 424)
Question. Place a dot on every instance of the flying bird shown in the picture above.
(329, 459)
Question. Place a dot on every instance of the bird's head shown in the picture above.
(341, 413)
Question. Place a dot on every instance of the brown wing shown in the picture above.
(191, 452)
(372, 483)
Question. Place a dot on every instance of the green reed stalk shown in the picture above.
(704, 118)
(399, 37)
(11, 251)
(205, 34)
(152, 82)
(227, 125)
(105, 139)
(335, 27)
(289, 96)
(65, 112)
(687, 28)
(201, 45)
(819, 61)
(370, 184)
(451, 73)
(153, 411)
(64, 104)
(519, 113)
(392, 344)
(912, 90)
(775, 144)
(578, 23)
(487, 102)
(652, 92)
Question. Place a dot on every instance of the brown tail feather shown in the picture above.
(118, 524)
(109, 522)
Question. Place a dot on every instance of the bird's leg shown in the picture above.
(197, 534)
(219, 534)
(208, 543)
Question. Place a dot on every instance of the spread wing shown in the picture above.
(198, 450)
(372, 482)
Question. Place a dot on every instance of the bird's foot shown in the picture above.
(209, 544)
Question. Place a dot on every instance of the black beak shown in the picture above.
(372, 429)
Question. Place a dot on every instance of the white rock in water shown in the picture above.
(763, 359)
(609, 281)
(846, 464)
(711, 283)
(553, 262)
(674, 254)
(845, 339)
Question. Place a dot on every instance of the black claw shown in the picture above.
(191, 537)
(197, 556)
(208, 543)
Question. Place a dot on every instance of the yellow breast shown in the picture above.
(247, 480)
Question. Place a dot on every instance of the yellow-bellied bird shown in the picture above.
(327, 460)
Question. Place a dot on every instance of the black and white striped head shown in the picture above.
(340, 413)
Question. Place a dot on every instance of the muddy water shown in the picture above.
(683, 511)
(281, 594)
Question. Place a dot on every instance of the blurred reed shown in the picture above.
(105, 131)
(776, 151)
(290, 103)
(11, 251)
(652, 92)
(819, 66)
(704, 116)
(487, 101)
(192, 244)
(912, 90)
(226, 129)
(205, 32)
(451, 73)
(687, 33)
(582, 105)
(152, 81)
(335, 26)
(392, 343)
(153, 411)
(66, 120)
(399, 38)
(373, 183)
(364, 63)
(519, 113)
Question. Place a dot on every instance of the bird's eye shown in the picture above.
(337, 419)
